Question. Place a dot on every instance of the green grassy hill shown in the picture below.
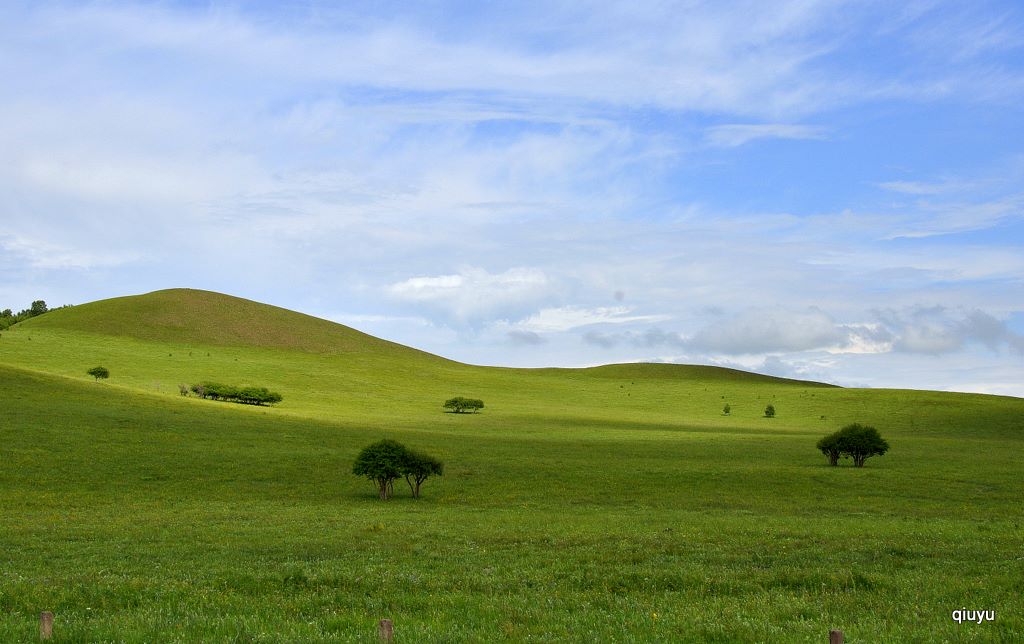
(189, 316)
(614, 503)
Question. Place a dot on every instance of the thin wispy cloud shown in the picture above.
(735, 135)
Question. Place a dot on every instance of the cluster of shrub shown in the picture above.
(855, 441)
(386, 461)
(9, 318)
(231, 393)
(459, 404)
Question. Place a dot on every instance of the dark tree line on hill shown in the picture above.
(231, 393)
(9, 318)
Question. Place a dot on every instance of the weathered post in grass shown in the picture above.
(386, 630)
(45, 625)
(835, 637)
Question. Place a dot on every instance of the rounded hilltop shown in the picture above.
(194, 316)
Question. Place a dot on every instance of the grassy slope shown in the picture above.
(577, 506)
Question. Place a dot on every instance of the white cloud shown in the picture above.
(940, 330)
(519, 337)
(47, 255)
(474, 291)
(565, 318)
(759, 331)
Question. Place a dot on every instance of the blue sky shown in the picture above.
(829, 190)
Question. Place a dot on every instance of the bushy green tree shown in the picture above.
(382, 462)
(727, 409)
(386, 460)
(856, 441)
(829, 446)
(459, 404)
(769, 411)
(98, 373)
(861, 442)
(417, 467)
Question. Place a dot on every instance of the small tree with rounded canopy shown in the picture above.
(418, 467)
(99, 372)
(769, 411)
(856, 441)
(727, 409)
(459, 404)
(382, 462)
(861, 442)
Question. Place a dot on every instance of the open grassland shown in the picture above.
(609, 504)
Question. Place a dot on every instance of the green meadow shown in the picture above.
(609, 504)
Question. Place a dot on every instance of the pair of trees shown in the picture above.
(231, 393)
(459, 404)
(856, 441)
(385, 461)
(769, 411)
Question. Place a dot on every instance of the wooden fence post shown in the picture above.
(835, 637)
(386, 630)
(45, 625)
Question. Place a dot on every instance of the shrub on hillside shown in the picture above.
(856, 441)
(98, 373)
(386, 460)
(769, 411)
(231, 393)
(459, 404)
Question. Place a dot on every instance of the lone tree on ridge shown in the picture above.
(98, 373)
(769, 411)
